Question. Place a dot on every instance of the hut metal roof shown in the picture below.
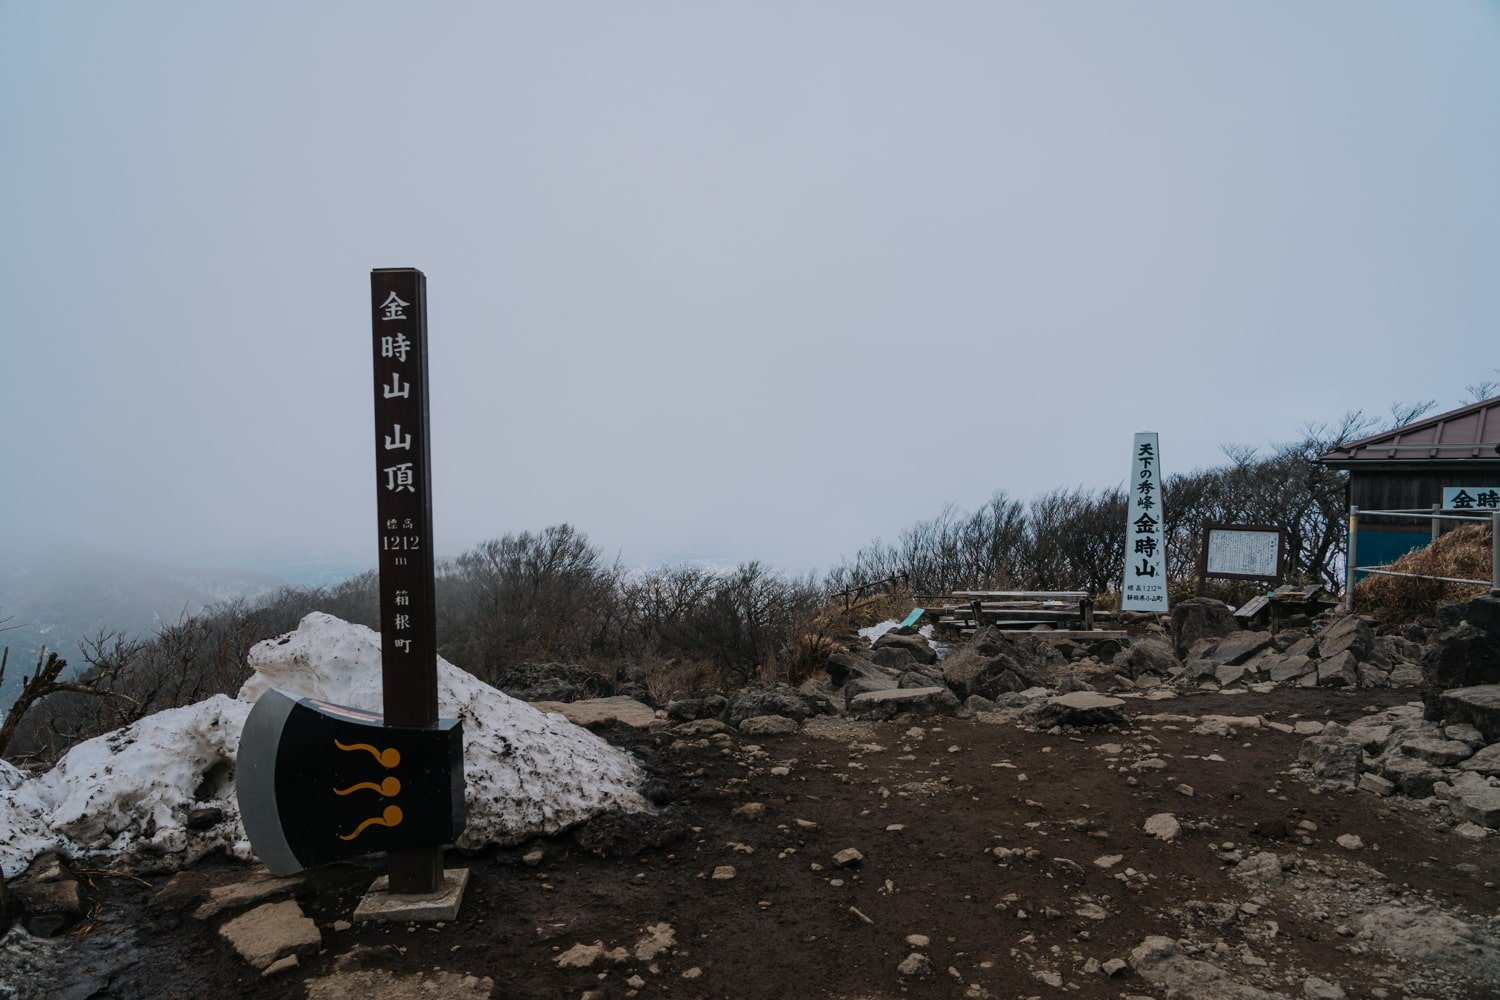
(1467, 434)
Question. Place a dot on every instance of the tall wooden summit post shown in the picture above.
(403, 487)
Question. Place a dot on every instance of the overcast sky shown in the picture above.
(716, 280)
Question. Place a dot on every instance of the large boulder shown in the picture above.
(916, 701)
(914, 643)
(688, 708)
(1146, 656)
(844, 666)
(1238, 649)
(1479, 706)
(1333, 756)
(1483, 613)
(1463, 656)
(996, 663)
(1350, 633)
(1079, 709)
(1200, 618)
(779, 700)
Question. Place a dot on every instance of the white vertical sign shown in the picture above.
(1145, 585)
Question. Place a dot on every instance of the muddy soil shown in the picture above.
(924, 803)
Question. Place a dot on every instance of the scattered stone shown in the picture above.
(888, 704)
(584, 956)
(915, 964)
(533, 857)
(750, 810)
(723, 873)
(1375, 783)
(271, 932)
(1163, 826)
(1108, 861)
(47, 908)
(658, 939)
(1114, 967)
(918, 940)
(1079, 709)
(848, 858)
(1349, 841)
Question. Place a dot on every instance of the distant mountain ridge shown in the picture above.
(58, 595)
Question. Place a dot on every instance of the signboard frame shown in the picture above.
(1209, 527)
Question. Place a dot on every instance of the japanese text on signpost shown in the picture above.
(1145, 585)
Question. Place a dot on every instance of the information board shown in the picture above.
(1244, 552)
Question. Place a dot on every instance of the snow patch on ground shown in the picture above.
(876, 631)
(123, 798)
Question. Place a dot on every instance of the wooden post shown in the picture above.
(1437, 508)
(1086, 612)
(403, 490)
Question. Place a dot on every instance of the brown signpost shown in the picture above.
(403, 487)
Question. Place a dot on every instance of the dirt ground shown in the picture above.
(924, 802)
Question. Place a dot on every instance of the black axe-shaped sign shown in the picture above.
(319, 782)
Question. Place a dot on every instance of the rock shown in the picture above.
(1238, 648)
(979, 703)
(779, 700)
(1290, 667)
(896, 658)
(848, 858)
(1431, 937)
(768, 725)
(1200, 618)
(204, 817)
(1318, 989)
(1375, 783)
(844, 666)
(7, 916)
(918, 940)
(1158, 961)
(1440, 753)
(1483, 612)
(1479, 706)
(1263, 866)
(584, 956)
(1476, 804)
(1349, 841)
(1461, 657)
(701, 727)
(723, 873)
(1413, 777)
(271, 932)
(696, 706)
(47, 908)
(1163, 826)
(915, 965)
(1339, 670)
(1486, 761)
(750, 810)
(995, 663)
(1080, 709)
(533, 857)
(1146, 656)
(1405, 675)
(1226, 674)
(659, 938)
(1333, 756)
(1465, 734)
(890, 703)
(1114, 967)
(917, 645)
(1350, 634)
(280, 965)
(258, 887)
(601, 711)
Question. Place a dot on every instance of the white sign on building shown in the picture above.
(1145, 584)
(1471, 498)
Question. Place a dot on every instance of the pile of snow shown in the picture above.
(123, 798)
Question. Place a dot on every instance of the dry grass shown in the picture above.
(1464, 553)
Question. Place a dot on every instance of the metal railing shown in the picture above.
(1435, 515)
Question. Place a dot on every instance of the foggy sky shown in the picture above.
(717, 281)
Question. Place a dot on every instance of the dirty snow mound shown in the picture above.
(527, 772)
(124, 797)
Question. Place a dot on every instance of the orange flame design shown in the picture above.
(388, 758)
(391, 817)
